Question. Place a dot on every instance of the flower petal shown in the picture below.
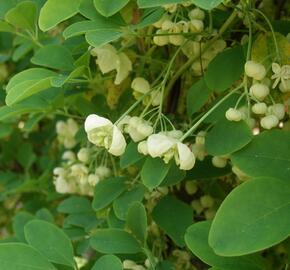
(118, 144)
(94, 121)
(158, 144)
(123, 67)
(186, 157)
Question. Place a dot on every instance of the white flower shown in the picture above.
(62, 186)
(219, 162)
(171, 8)
(159, 23)
(280, 74)
(138, 129)
(156, 97)
(166, 147)
(108, 59)
(103, 172)
(124, 66)
(196, 26)
(285, 87)
(93, 179)
(140, 85)
(143, 148)
(255, 70)
(66, 132)
(167, 25)
(103, 133)
(69, 156)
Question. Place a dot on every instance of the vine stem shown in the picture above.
(187, 64)
(195, 126)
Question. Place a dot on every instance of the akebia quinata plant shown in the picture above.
(144, 135)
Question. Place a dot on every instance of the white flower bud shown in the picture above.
(128, 264)
(284, 87)
(123, 68)
(200, 137)
(278, 110)
(159, 23)
(259, 108)
(255, 70)
(219, 162)
(69, 155)
(62, 186)
(103, 172)
(140, 85)
(269, 121)
(197, 207)
(93, 179)
(61, 128)
(197, 14)
(59, 171)
(167, 25)
(156, 97)
(234, 115)
(83, 155)
(161, 40)
(259, 91)
(171, 8)
(196, 26)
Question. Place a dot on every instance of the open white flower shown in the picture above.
(103, 133)
(166, 147)
(138, 129)
(108, 59)
(280, 74)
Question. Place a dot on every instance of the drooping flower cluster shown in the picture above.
(269, 115)
(75, 176)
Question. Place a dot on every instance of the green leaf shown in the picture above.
(50, 241)
(107, 191)
(153, 172)
(108, 262)
(197, 96)
(113, 221)
(174, 217)
(227, 137)
(101, 37)
(156, 3)
(206, 4)
(196, 239)
(19, 221)
(254, 216)
(122, 204)
(114, 241)
(107, 8)
(267, 155)
(131, 156)
(54, 56)
(5, 6)
(25, 155)
(149, 17)
(75, 205)
(226, 68)
(6, 27)
(5, 130)
(174, 175)
(27, 83)
(23, 16)
(137, 221)
(54, 11)
(16, 256)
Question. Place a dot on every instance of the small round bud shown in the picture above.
(197, 14)
(219, 162)
(140, 85)
(161, 40)
(278, 110)
(191, 187)
(197, 207)
(196, 26)
(83, 155)
(207, 201)
(259, 91)
(255, 70)
(209, 214)
(269, 121)
(284, 87)
(234, 115)
(259, 108)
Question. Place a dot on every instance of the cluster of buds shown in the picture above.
(269, 115)
(170, 32)
(75, 177)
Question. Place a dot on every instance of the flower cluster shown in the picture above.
(75, 176)
(166, 145)
(270, 115)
